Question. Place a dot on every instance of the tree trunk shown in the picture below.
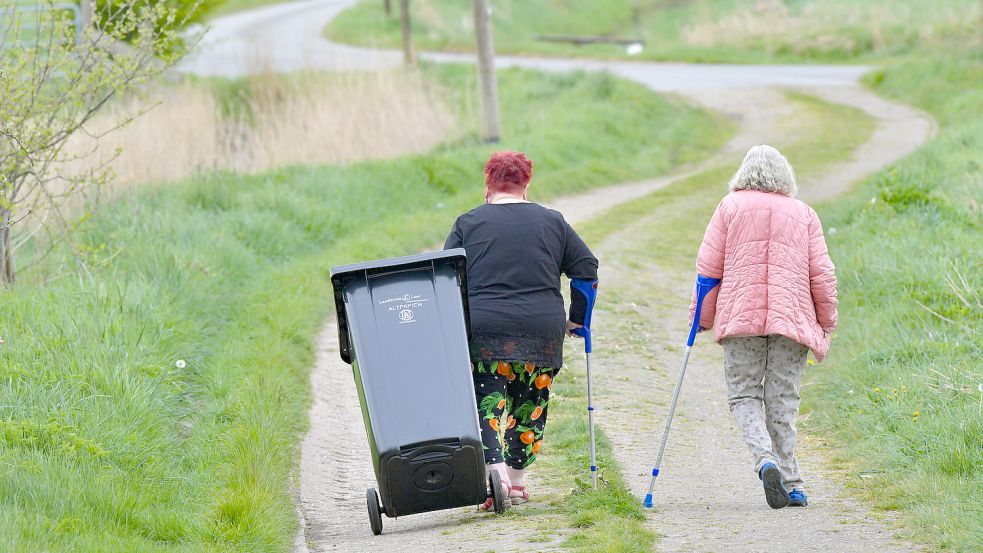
(404, 16)
(389, 7)
(6, 255)
(487, 80)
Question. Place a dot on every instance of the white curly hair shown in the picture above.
(765, 168)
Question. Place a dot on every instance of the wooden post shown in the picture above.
(487, 80)
(88, 11)
(404, 17)
(388, 5)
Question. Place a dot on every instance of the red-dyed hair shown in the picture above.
(507, 172)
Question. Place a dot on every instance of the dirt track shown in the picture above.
(707, 458)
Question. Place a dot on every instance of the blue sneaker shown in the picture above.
(775, 493)
(797, 498)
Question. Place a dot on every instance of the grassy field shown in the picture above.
(904, 384)
(155, 400)
(743, 31)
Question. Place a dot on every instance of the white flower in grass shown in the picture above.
(873, 200)
(180, 364)
(832, 230)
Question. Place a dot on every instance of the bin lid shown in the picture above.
(399, 263)
(340, 274)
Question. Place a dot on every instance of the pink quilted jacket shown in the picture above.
(777, 277)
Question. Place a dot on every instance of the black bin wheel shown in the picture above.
(375, 512)
(497, 492)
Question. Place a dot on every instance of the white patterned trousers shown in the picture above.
(763, 375)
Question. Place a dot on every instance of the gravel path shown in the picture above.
(335, 468)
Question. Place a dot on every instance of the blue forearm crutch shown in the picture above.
(589, 289)
(703, 287)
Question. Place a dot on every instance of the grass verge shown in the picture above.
(156, 402)
(741, 31)
(903, 388)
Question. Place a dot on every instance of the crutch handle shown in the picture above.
(703, 286)
(588, 288)
(584, 333)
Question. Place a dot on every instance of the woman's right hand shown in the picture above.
(571, 326)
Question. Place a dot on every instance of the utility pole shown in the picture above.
(487, 81)
(404, 19)
(388, 4)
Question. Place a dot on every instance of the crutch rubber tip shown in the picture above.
(648, 501)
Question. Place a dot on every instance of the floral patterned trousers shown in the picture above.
(512, 401)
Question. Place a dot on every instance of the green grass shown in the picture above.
(608, 519)
(106, 443)
(902, 388)
(743, 31)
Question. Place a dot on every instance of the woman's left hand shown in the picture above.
(571, 326)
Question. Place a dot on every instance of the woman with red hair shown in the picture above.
(517, 250)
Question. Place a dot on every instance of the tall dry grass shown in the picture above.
(826, 25)
(270, 121)
(245, 127)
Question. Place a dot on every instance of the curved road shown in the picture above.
(335, 466)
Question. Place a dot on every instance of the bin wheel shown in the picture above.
(375, 512)
(497, 492)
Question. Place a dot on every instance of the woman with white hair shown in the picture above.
(776, 301)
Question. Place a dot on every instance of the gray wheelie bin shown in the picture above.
(403, 326)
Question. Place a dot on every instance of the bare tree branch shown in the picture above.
(58, 83)
(16, 141)
(12, 223)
